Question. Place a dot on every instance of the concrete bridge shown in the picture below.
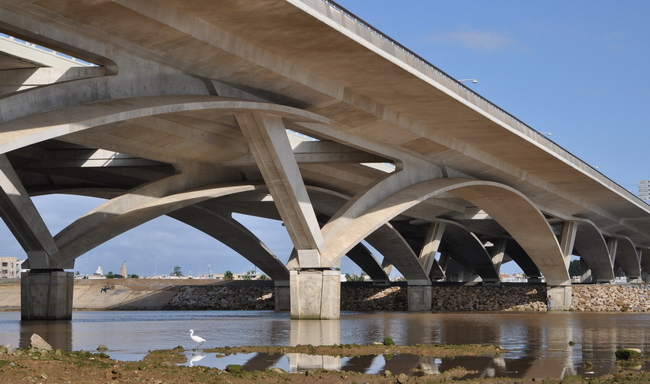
(292, 110)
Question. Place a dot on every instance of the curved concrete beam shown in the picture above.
(362, 257)
(219, 226)
(234, 235)
(463, 246)
(524, 222)
(386, 240)
(33, 129)
(592, 247)
(627, 257)
(511, 209)
(519, 256)
(390, 243)
(193, 176)
(412, 172)
(135, 216)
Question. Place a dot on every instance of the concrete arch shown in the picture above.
(117, 224)
(627, 257)
(33, 129)
(220, 226)
(468, 250)
(234, 235)
(592, 247)
(386, 240)
(362, 257)
(511, 209)
(519, 256)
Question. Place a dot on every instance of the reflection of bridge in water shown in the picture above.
(185, 112)
(538, 344)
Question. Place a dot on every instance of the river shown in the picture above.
(539, 344)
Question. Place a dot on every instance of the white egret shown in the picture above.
(197, 339)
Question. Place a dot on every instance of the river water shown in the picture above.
(539, 344)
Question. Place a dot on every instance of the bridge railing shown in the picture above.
(362, 29)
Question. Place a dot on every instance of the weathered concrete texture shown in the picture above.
(46, 295)
(419, 298)
(559, 298)
(315, 294)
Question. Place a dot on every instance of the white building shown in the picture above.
(9, 267)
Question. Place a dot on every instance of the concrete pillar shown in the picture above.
(559, 297)
(431, 245)
(315, 294)
(586, 275)
(282, 296)
(567, 240)
(419, 297)
(46, 295)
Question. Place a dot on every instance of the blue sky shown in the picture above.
(576, 69)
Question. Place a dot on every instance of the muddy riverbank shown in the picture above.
(43, 366)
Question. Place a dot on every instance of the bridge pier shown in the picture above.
(315, 294)
(46, 295)
(282, 296)
(559, 297)
(419, 297)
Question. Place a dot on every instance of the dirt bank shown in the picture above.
(41, 366)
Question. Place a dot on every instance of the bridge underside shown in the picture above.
(293, 112)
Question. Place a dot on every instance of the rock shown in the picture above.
(37, 342)
(102, 348)
(402, 378)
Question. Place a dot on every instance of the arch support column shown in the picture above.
(315, 292)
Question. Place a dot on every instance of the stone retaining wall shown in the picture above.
(600, 298)
(368, 298)
(146, 295)
(611, 298)
(222, 298)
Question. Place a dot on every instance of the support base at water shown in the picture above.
(46, 295)
(315, 294)
(559, 297)
(419, 297)
(282, 296)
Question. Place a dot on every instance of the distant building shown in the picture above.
(9, 267)
(123, 270)
(644, 190)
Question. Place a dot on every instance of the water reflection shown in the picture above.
(538, 343)
(196, 358)
(57, 333)
(314, 332)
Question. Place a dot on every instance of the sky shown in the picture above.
(578, 70)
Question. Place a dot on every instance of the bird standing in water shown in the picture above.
(197, 339)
